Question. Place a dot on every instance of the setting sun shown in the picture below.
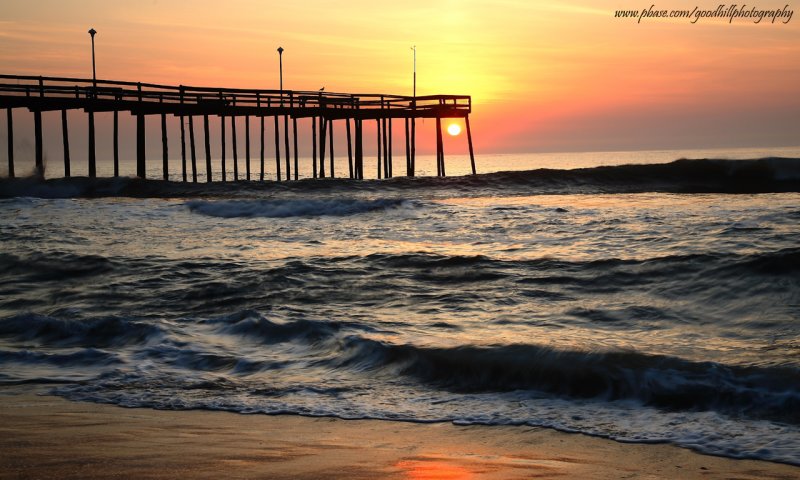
(453, 129)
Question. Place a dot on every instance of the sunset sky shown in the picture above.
(544, 76)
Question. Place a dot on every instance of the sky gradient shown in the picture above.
(544, 76)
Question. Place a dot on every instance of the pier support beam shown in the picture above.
(349, 149)
(378, 129)
(208, 148)
(314, 146)
(192, 149)
(247, 146)
(37, 131)
(164, 147)
(391, 156)
(413, 147)
(116, 143)
(277, 150)
(92, 152)
(222, 144)
(261, 173)
(408, 151)
(65, 138)
(296, 152)
(322, 129)
(140, 145)
(385, 140)
(286, 146)
(183, 149)
(469, 141)
(10, 126)
(330, 142)
(439, 170)
(235, 152)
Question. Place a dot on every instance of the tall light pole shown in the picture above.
(280, 67)
(92, 32)
(414, 48)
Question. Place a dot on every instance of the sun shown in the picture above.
(453, 129)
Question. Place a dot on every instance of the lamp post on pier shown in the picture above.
(280, 69)
(92, 32)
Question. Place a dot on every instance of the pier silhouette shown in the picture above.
(39, 94)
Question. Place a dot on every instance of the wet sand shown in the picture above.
(49, 437)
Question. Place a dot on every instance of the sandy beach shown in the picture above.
(48, 437)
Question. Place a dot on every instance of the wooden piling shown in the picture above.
(314, 146)
(391, 157)
(330, 140)
(37, 131)
(247, 146)
(235, 150)
(359, 149)
(164, 147)
(183, 148)
(349, 149)
(208, 148)
(140, 145)
(413, 147)
(408, 150)
(261, 173)
(438, 147)
(385, 141)
(277, 150)
(469, 141)
(379, 147)
(92, 152)
(65, 138)
(116, 143)
(286, 145)
(296, 152)
(322, 129)
(192, 149)
(222, 147)
(10, 126)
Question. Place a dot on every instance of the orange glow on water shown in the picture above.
(433, 470)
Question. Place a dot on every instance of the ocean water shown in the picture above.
(649, 303)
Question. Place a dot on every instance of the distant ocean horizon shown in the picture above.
(457, 164)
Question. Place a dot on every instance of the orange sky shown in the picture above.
(544, 76)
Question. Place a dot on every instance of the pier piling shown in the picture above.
(207, 147)
(10, 139)
(65, 142)
(192, 149)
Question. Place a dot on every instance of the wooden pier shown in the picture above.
(40, 94)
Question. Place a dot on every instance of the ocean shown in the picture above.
(620, 294)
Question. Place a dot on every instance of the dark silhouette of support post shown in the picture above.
(439, 147)
(391, 157)
(379, 146)
(116, 143)
(208, 147)
(322, 129)
(235, 151)
(313, 146)
(183, 149)
(296, 152)
(385, 140)
(140, 145)
(349, 149)
(37, 131)
(91, 146)
(65, 138)
(286, 146)
(222, 148)
(261, 174)
(164, 147)
(247, 146)
(359, 149)
(469, 141)
(413, 147)
(330, 141)
(10, 126)
(192, 149)
(408, 151)
(277, 150)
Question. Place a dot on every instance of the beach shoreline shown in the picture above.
(45, 436)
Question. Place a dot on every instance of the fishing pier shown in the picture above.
(325, 109)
